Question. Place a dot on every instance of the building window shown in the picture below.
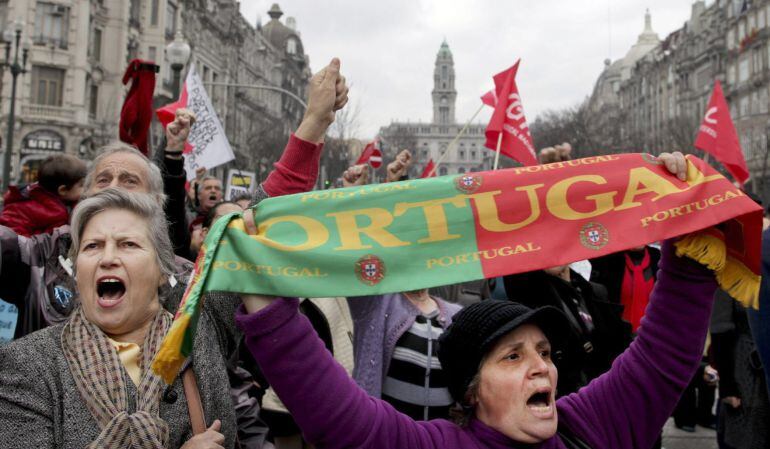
(462, 154)
(3, 12)
(51, 24)
(473, 155)
(154, 12)
(291, 46)
(152, 53)
(47, 85)
(424, 153)
(744, 107)
(96, 51)
(134, 14)
(93, 101)
(170, 19)
(461, 170)
(443, 71)
(743, 69)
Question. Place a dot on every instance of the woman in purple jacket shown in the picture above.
(498, 358)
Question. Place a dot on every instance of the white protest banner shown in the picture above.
(210, 147)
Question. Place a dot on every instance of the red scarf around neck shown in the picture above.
(635, 292)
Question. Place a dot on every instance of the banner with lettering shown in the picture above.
(438, 231)
(207, 146)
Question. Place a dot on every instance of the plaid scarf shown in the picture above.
(98, 374)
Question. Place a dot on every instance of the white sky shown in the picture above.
(388, 48)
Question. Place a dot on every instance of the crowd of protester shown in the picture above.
(96, 257)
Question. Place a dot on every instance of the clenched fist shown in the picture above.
(399, 167)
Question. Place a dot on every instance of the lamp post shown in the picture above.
(12, 36)
(177, 54)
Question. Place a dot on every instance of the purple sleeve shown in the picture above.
(628, 406)
(326, 404)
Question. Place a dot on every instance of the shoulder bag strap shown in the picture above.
(194, 405)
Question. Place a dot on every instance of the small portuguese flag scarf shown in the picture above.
(437, 231)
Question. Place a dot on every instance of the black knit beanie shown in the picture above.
(475, 329)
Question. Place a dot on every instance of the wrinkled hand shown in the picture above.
(210, 439)
(557, 153)
(357, 175)
(675, 163)
(178, 131)
(399, 167)
(327, 93)
(732, 401)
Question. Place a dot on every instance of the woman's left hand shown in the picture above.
(675, 163)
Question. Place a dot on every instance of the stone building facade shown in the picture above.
(431, 140)
(71, 96)
(658, 100)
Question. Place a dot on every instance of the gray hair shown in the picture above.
(141, 204)
(155, 178)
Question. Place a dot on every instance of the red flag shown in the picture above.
(136, 113)
(490, 98)
(429, 170)
(717, 136)
(371, 155)
(509, 120)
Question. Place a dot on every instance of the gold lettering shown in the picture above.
(489, 218)
(350, 231)
(556, 199)
(435, 217)
(651, 182)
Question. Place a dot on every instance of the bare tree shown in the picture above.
(336, 156)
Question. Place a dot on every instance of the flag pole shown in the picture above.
(454, 141)
(497, 152)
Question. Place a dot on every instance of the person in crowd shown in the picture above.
(498, 361)
(87, 382)
(744, 409)
(600, 333)
(242, 199)
(396, 335)
(629, 277)
(45, 205)
(217, 211)
(208, 193)
(36, 275)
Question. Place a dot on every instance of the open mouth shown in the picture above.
(540, 403)
(213, 198)
(110, 291)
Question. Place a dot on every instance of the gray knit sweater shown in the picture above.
(40, 406)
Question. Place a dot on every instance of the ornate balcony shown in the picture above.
(41, 111)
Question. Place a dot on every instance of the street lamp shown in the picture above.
(177, 53)
(12, 36)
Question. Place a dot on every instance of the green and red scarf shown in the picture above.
(429, 232)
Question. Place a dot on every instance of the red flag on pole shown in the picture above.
(136, 113)
(508, 120)
(371, 155)
(717, 136)
(429, 170)
(489, 98)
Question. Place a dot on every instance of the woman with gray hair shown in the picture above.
(87, 382)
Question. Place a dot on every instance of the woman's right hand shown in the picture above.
(210, 439)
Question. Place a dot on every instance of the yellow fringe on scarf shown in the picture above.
(732, 275)
(169, 359)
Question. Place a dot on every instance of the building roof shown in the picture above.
(277, 33)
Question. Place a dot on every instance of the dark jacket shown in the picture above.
(33, 210)
(592, 351)
(740, 374)
(609, 270)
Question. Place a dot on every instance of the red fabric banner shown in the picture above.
(371, 155)
(429, 171)
(717, 136)
(509, 121)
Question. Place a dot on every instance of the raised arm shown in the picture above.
(627, 406)
(297, 170)
(328, 406)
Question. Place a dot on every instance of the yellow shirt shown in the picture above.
(128, 353)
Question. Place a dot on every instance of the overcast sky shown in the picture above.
(388, 48)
